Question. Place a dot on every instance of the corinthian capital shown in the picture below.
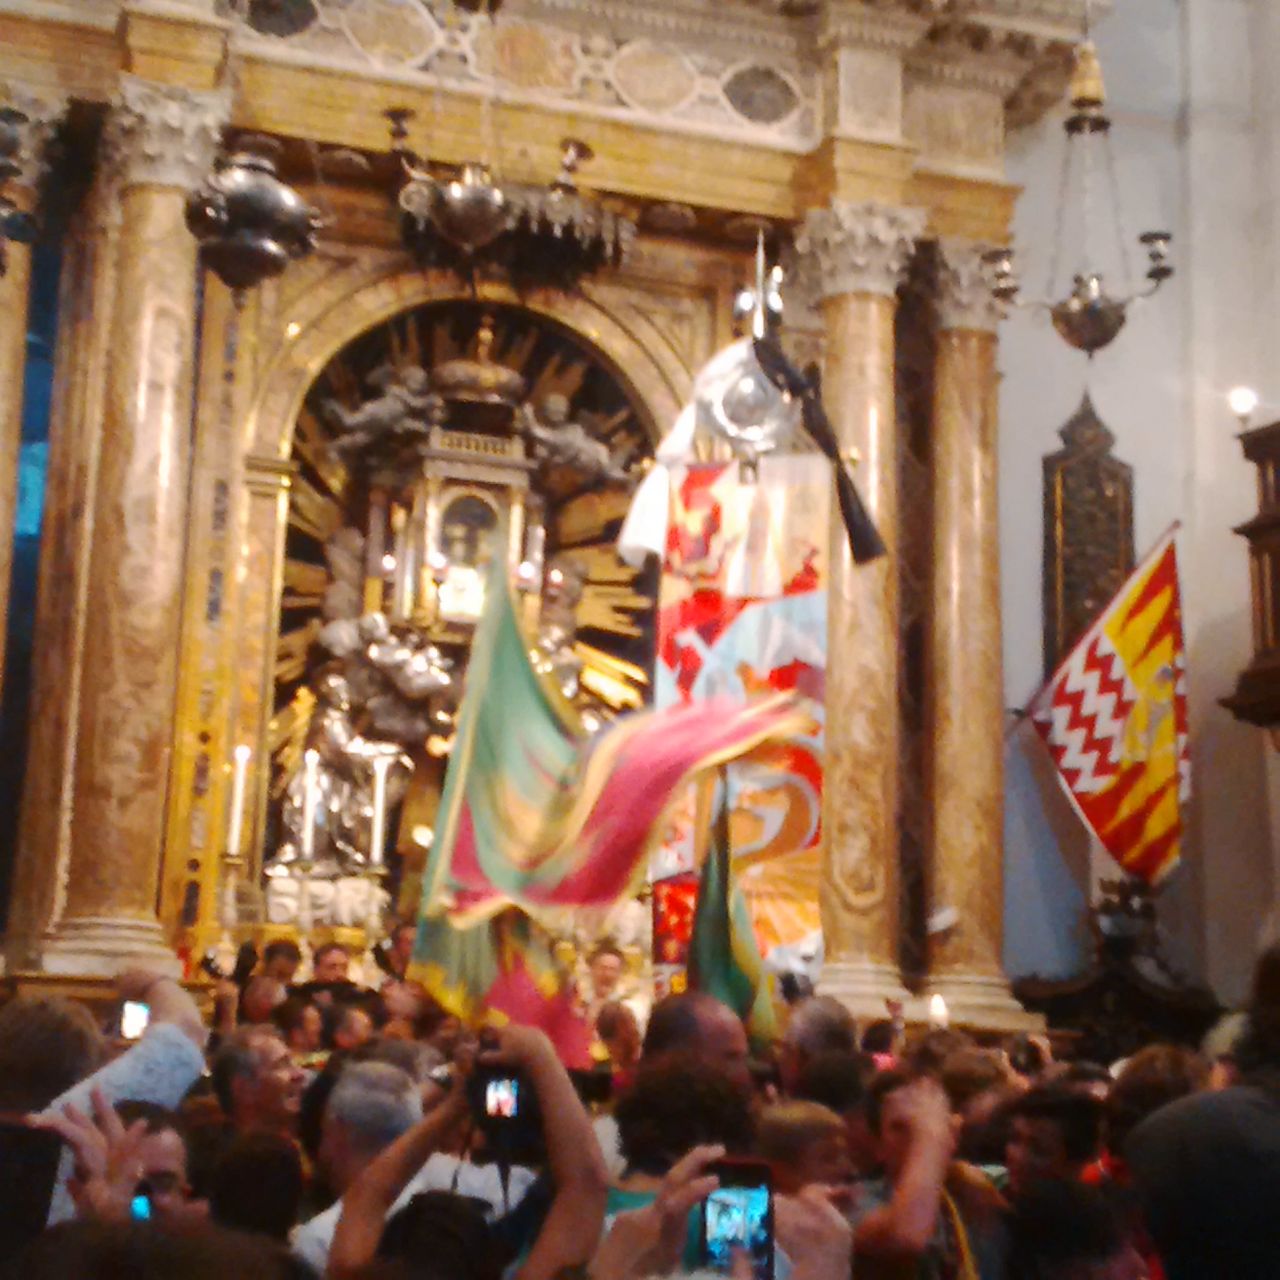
(964, 299)
(162, 135)
(43, 112)
(859, 248)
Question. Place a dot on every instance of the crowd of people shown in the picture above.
(327, 1129)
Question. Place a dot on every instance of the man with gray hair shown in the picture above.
(818, 1026)
(372, 1104)
(358, 1110)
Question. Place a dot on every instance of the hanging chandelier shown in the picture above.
(469, 222)
(1088, 316)
(15, 225)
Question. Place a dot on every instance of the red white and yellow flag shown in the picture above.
(1114, 717)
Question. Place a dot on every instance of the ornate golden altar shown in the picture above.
(872, 129)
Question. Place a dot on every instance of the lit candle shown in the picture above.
(238, 779)
(310, 795)
(939, 1017)
(378, 827)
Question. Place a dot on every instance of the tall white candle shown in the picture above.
(310, 796)
(378, 827)
(239, 777)
(939, 1015)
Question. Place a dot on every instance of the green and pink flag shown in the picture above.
(536, 816)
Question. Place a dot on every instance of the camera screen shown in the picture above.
(738, 1218)
(140, 1207)
(133, 1019)
(502, 1098)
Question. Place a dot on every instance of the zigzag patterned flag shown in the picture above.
(1114, 717)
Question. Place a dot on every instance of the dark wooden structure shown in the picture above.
(1257, 695)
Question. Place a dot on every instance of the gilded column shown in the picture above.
(158, 141)
(15, 287)
(964, 681)
(859, 253)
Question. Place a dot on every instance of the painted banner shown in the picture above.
(743, 610)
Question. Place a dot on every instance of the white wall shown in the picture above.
(1190, 160)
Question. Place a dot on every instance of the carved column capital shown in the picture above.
(44, 111)
(964, 299)
(859, 248)
(162, 135)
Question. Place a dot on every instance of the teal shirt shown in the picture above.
(622, 1201)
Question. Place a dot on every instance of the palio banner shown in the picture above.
(743, 611)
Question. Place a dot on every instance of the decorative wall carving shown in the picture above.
(963, 298)
(956, 127)
(44, 112)
(1088, 530)
(674, 67)
(864, 93)
(859, 248)
(162, 135)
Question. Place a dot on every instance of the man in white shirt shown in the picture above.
(372, 1104)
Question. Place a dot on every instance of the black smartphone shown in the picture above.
(738, 1217)
(28, 1169)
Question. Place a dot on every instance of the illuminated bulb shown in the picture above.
(243, 752)
(388, 563)
(939, 1016)
(1243, 401)
(292, 329)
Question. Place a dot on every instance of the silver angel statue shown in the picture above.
(398, 419)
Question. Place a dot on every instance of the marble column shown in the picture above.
(857, 254)
(964, 686)
(158, 141)
(15, 288)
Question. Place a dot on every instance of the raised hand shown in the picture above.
(108, 1157)
(813, 1232)
(649, 1241)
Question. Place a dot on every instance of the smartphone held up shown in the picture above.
(134, 1018)
(737, 1217)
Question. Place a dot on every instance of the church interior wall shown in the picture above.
(1196, 152)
